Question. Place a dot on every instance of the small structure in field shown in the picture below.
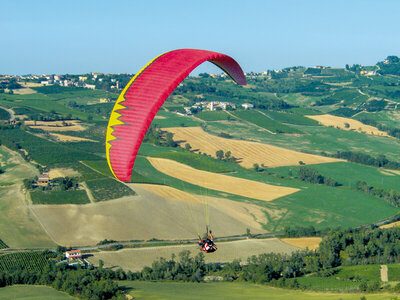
(43, 180)
(73, 255)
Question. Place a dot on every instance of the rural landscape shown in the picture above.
(297, 174)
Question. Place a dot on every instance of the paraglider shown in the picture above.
(206, 243)
(140, 101)
(143, 96)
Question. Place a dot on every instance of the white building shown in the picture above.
(247, 105)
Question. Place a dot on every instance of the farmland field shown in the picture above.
(248, 153)
(224, 183)
(311, 243)
(4, 115)
(232, 290)
(18, 226)
(107, 189)
(263, 121)
(340, 122)
(291, 118)
(200, 162)
(317, 139)
(136, 259)
(30, 261)
(213, 115)
(59, 197)
(33, 292)
(347, 174)
(132, 217)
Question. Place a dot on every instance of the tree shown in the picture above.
(220, 154)
(101, 263)
(188, 147)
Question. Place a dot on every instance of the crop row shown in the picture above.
(30, 261)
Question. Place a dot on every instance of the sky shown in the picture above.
(58, 37)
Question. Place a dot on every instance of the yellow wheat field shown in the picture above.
(168, 192)
(219, 182)
(249, 153)
(24, 91)
(390, 225)
(62, 172)
(311, 243)
(329, 120)
(56, 126)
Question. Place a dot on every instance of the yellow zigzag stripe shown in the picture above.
(114, 117)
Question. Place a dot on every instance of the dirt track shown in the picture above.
(136, 259)
(249, 153)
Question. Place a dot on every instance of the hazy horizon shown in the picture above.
(121, 37)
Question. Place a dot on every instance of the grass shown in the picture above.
(3, 245)
(228, 290)
(42, 150)
(213, 115)
(291, 118)
(32, 292)
(344, 279)
(316, 139)
(347, 174)
(99, 165)
(169, 119)
(263, 121)
(323, 206)
(4, 115)
(197, 161)
(106, 189)
(394, 272)
(59, 197)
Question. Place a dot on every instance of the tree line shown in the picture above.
(380, 161)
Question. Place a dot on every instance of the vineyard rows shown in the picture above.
(25, 260)
(3, 245)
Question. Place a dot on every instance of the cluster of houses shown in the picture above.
(214, 105)
(66, 80)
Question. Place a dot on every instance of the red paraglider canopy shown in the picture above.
(144, 95)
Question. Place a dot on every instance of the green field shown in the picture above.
(346, 278)
(347, 174)
(169, 119)
(32, 292)
(316, 139)
(3, 245)
(226, 290)
(291, 118)
(30, 261)
(4, 115)
(59, 197)
(213, 115)
(106, 189)
(323, 206)
(263, 121)
(196, 161)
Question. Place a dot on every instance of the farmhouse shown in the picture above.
(43, 180)
(73, 254)
(247, 105)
